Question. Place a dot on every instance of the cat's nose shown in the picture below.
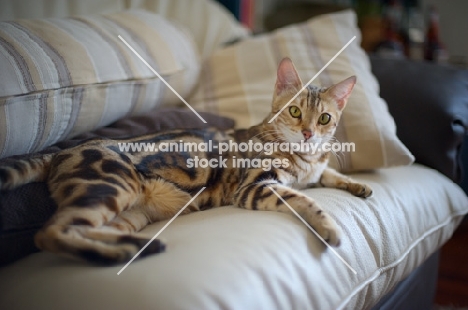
(307, 134)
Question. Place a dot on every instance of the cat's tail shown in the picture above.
(16, 172)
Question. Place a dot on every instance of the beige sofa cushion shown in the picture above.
(62, 77)
(231, 258)
(238, 82)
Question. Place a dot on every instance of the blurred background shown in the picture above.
(431, 30)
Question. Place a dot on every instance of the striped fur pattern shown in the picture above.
(105, 196)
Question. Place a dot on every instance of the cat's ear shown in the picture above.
(340, 92)
(287, 77)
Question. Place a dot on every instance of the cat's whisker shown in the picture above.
(341, 159)
(340, 155)
(264, 134)
(260, 137)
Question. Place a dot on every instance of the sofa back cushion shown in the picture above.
(63, 77)
(210, 23)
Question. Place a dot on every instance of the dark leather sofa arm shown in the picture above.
(430, 106)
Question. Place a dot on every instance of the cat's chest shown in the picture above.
(311, 171)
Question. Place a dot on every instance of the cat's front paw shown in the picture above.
(331, 235)
(360, 190)
(326, 227)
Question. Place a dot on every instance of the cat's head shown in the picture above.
(314, 114)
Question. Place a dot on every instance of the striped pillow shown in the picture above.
(238, 82)
(63, 77)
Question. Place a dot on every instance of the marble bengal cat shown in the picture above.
(105, 196)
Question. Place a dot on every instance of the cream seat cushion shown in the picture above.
(229, 258)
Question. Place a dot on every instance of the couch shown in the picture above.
(227, 257)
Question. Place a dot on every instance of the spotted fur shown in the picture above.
(105, 196)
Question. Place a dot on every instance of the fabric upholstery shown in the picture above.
(430, 106)
(210, 23)
(417, 291)
(230, 258)
(37, 9)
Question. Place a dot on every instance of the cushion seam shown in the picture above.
(90, 85)
(381, 270)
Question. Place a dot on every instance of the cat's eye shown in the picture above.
(324, 119)
(295, 112)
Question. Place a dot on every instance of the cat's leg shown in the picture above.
(254, 193)
(161, 200)
(120, 234)
(332, 178)
(78, 227)
(97, 222)
(130, 221)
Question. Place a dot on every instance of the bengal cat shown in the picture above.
(105, 196)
